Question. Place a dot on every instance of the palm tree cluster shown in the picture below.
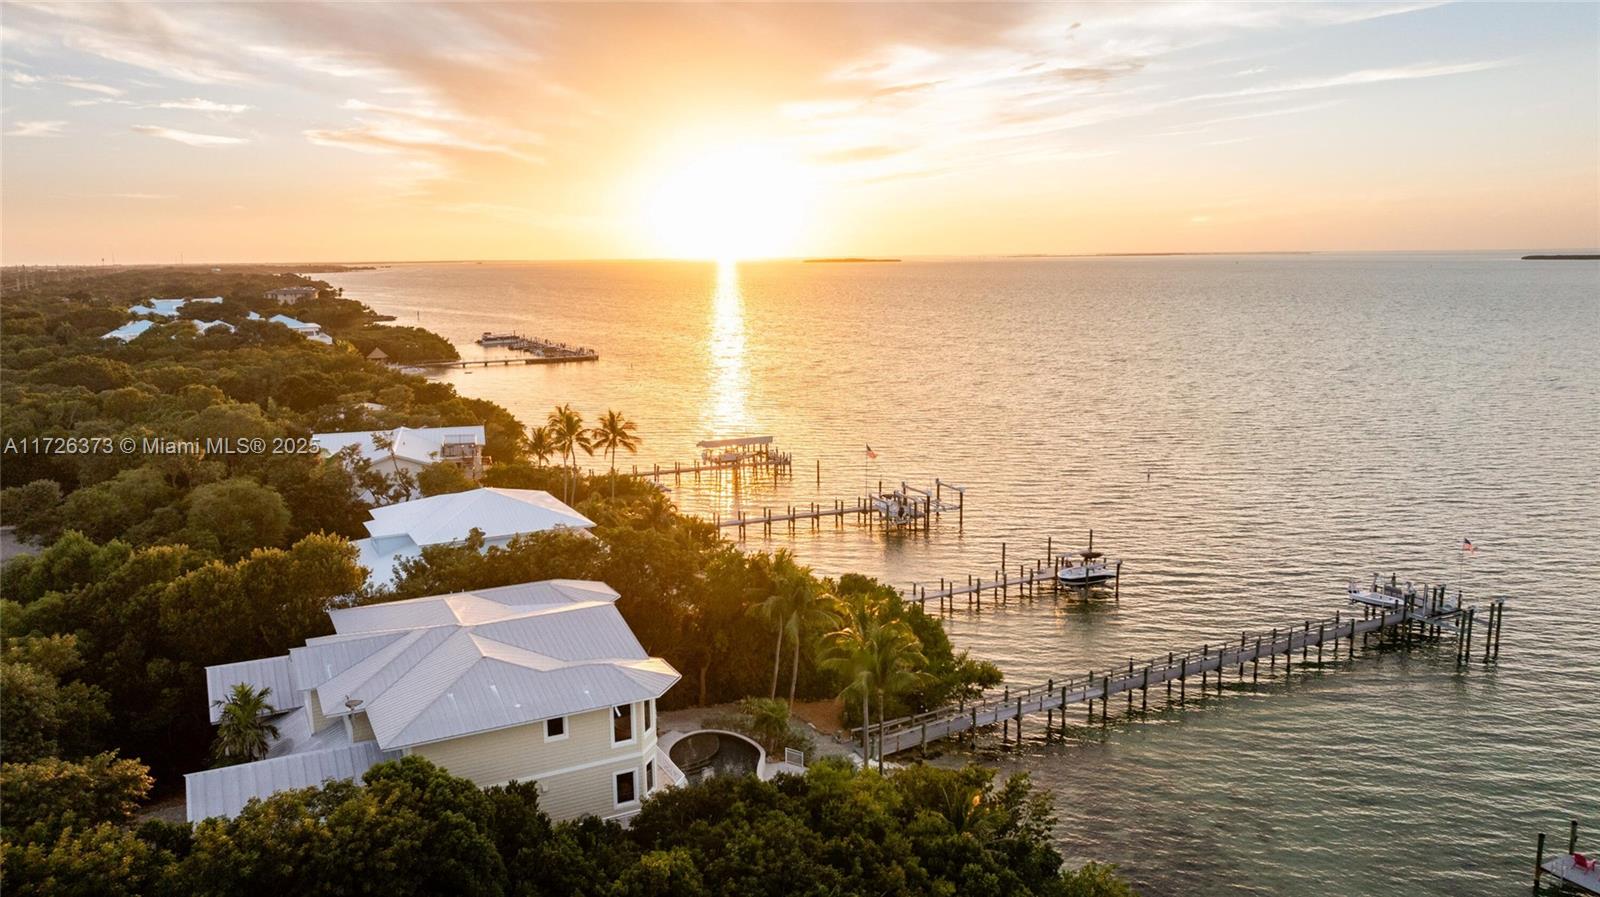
(878, 656)
(564, 435)
(797, 606)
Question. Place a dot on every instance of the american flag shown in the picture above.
(871, 453)
(1466, 545)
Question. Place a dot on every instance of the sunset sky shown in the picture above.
(300, 132)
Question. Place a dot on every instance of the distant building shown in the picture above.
(401, 530)
(539, 682)
(291, 295)
(412, 448)
(306, 329)
(378, 355)
(135, 329)
(168, 308)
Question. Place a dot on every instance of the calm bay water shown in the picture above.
(1246, 432)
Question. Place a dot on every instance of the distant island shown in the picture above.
(1559, 258)
(845, 261)
(1115, 255)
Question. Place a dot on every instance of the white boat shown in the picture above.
(490, 338)
(1389, 595)
(1092, 569)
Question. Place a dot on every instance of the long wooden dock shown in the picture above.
(1417, 618)
(1002, 582)
(502, 362)
(907, 507)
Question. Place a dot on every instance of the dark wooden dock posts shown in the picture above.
(1564, 868)
(1408, 622)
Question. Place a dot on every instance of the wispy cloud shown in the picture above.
(36, 129)
(197, 104)
(25, 79)
(189, 137)
(1364, 76)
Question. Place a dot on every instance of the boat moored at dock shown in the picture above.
(1093, 568)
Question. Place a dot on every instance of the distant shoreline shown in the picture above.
(847, 260)
(1116, 255)
(1560, 258)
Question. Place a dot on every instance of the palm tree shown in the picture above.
(778, 608)
(882, 658)
(615, 432)
(568, 435)
(813, 612)
(540, 444)
(243, 733)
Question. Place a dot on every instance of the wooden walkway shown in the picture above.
(793, 514)
(1426, 617)
(774, 464)
(501, 362)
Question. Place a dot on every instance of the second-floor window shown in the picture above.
(647, 715)
(621, 723)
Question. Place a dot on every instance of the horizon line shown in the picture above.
(1014, 256)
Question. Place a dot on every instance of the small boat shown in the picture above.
(1388, 595)
(490, 338)
(1093, 569)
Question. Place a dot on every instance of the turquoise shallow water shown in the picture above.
(1246, 432)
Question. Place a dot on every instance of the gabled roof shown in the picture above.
(134, 329)
(421, 445)
(293, 324)
(446, 666)
(129, 330)
(498, 513)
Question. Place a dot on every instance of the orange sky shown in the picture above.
(353, 132)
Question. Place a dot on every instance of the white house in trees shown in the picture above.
(412, 448)
(403, 529)
(541, 682)
(306, 329)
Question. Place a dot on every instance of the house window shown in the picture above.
(649, 717)
(650, 777)
(621, 723)
(555, 729)
(625, 788)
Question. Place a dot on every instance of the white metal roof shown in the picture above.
(499, 513)
(134, 329)
(273, 673)
(166, 308)
(225, 791)
(422, 445)
(441, 667)
(129, 330)
(297, 326)
(431, 669)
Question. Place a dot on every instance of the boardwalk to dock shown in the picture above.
(504, 362)
(1418, 618)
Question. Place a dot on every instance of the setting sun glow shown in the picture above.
(734, 202)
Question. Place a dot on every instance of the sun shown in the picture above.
(738, 201)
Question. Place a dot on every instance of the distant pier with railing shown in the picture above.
(544, 351)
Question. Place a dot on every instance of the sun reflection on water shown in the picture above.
(726, 413)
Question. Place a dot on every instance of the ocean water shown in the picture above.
(1246, 432)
